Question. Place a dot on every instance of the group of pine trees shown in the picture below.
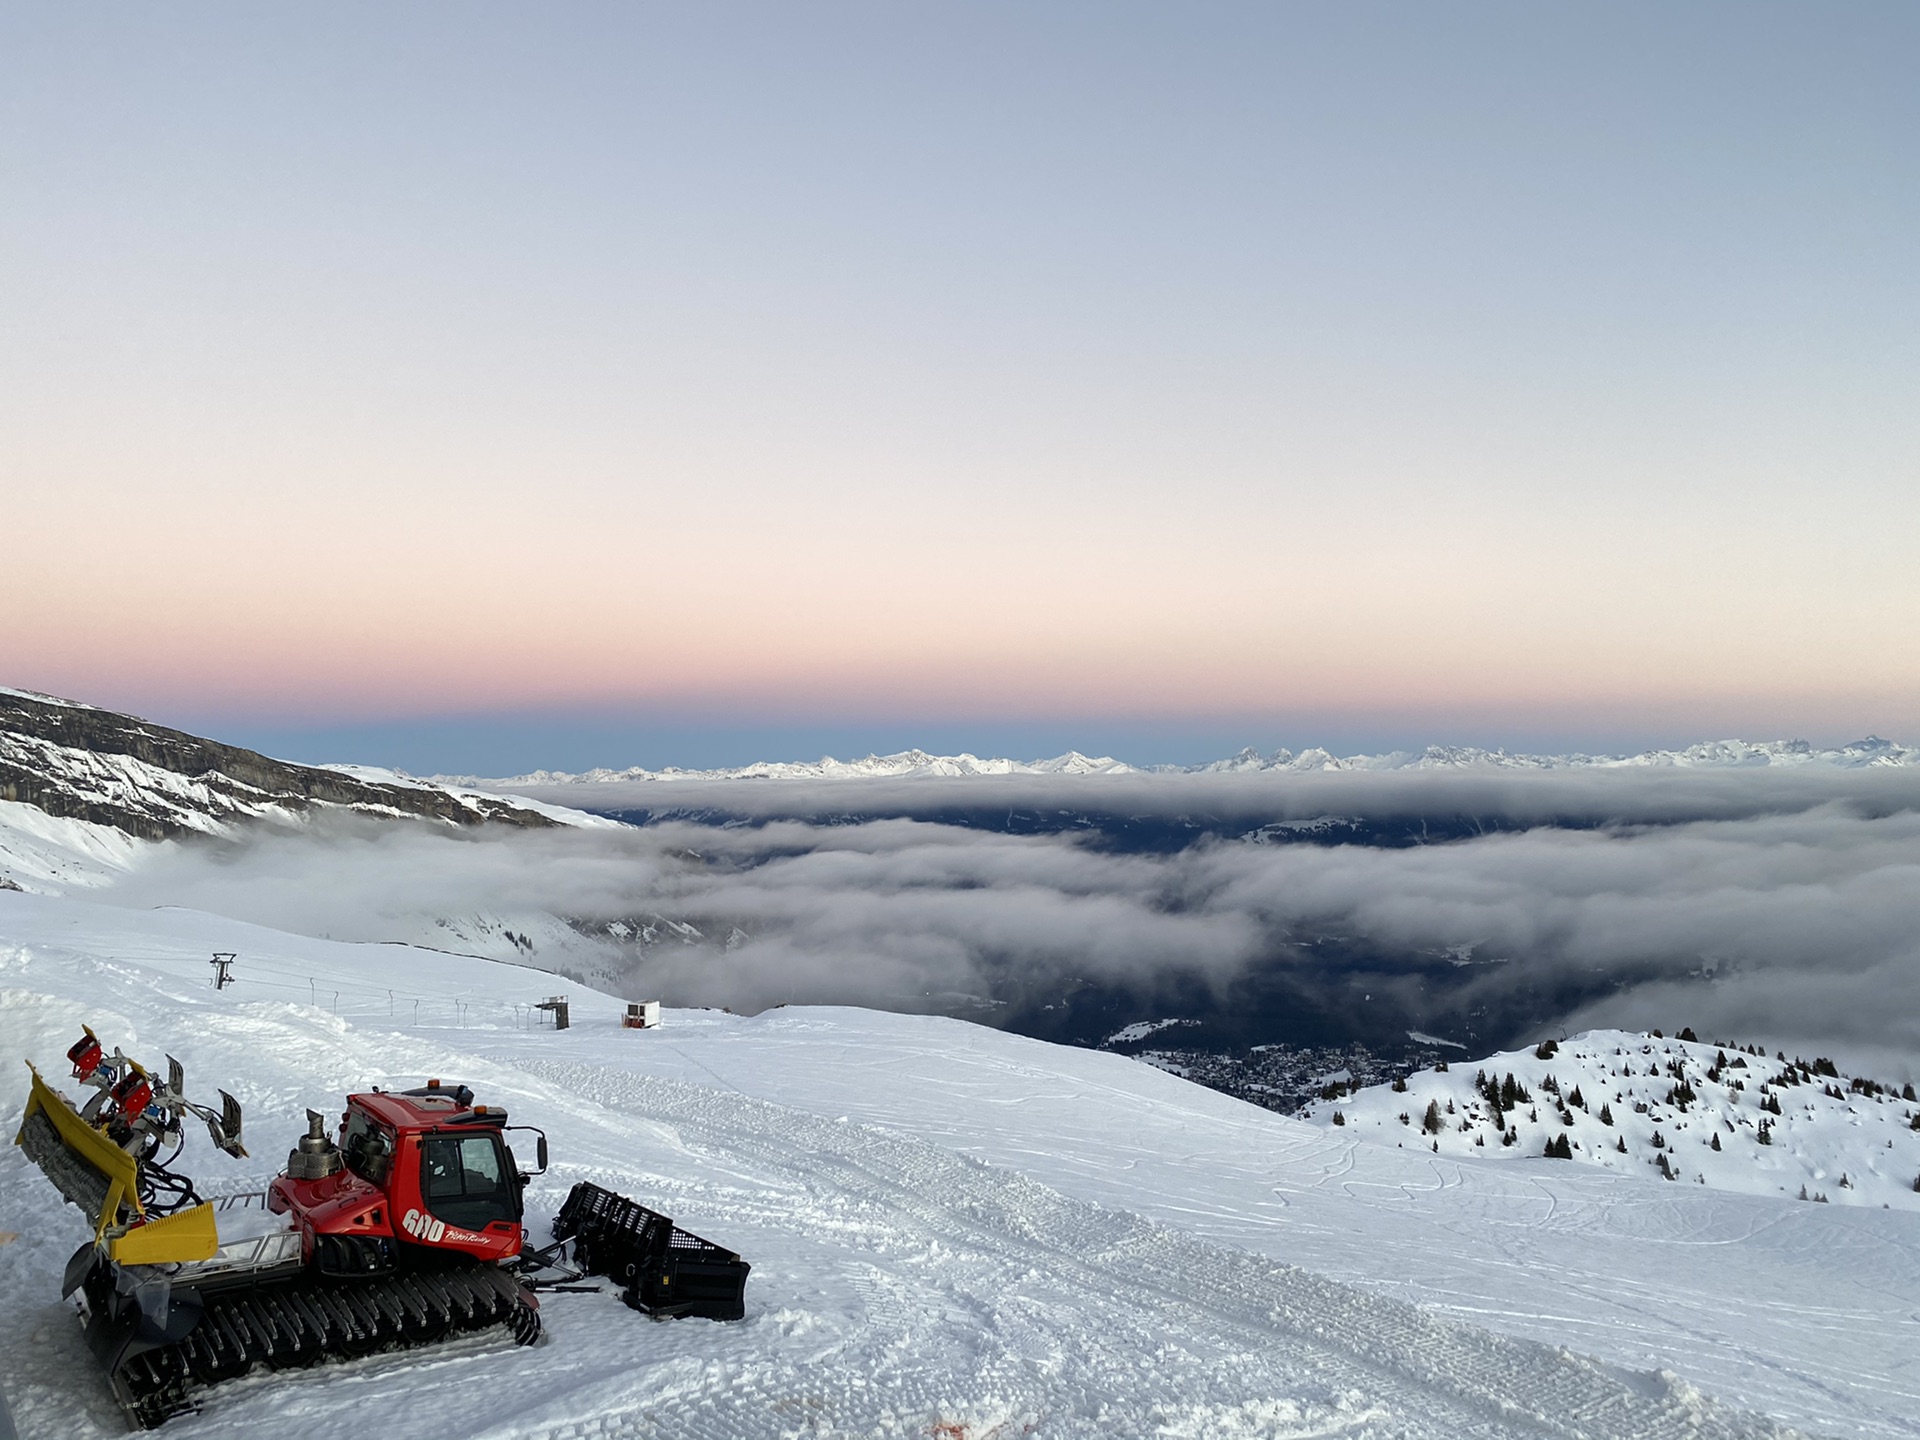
(1505, 1097)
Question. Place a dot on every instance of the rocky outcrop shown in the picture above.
(82, 763)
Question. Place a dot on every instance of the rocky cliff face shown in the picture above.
(80, 763)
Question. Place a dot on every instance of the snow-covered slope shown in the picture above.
(45, 852)
(916, 764)
(957, 1232)
(1692, 1112)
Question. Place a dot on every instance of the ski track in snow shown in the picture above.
(901, 1287)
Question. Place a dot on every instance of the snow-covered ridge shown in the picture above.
(1693, 1112)
(37, 697)
(80, 786)
(914, 764)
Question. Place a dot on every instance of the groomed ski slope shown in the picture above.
(954, 1232)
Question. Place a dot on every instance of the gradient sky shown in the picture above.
(832, 375)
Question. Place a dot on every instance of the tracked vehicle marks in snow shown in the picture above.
(996, 1250)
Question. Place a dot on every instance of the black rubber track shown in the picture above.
(304, 1319)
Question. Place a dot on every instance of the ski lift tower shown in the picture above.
(222, 963)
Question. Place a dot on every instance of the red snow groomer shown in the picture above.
(405, 1230)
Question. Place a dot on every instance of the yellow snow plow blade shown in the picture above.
(87, 1168)
(104, 1181)
(186, 1235)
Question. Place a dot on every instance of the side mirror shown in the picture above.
(539, 1150)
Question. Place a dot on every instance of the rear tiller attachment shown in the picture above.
(667, 1271)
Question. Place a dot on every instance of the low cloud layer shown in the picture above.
(1776, 907)
(1630, 795)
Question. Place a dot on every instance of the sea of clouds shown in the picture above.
(1774, 905)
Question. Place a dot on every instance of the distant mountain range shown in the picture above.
(906, 765)
(914, 764)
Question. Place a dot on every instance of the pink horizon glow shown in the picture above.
(325, 630)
